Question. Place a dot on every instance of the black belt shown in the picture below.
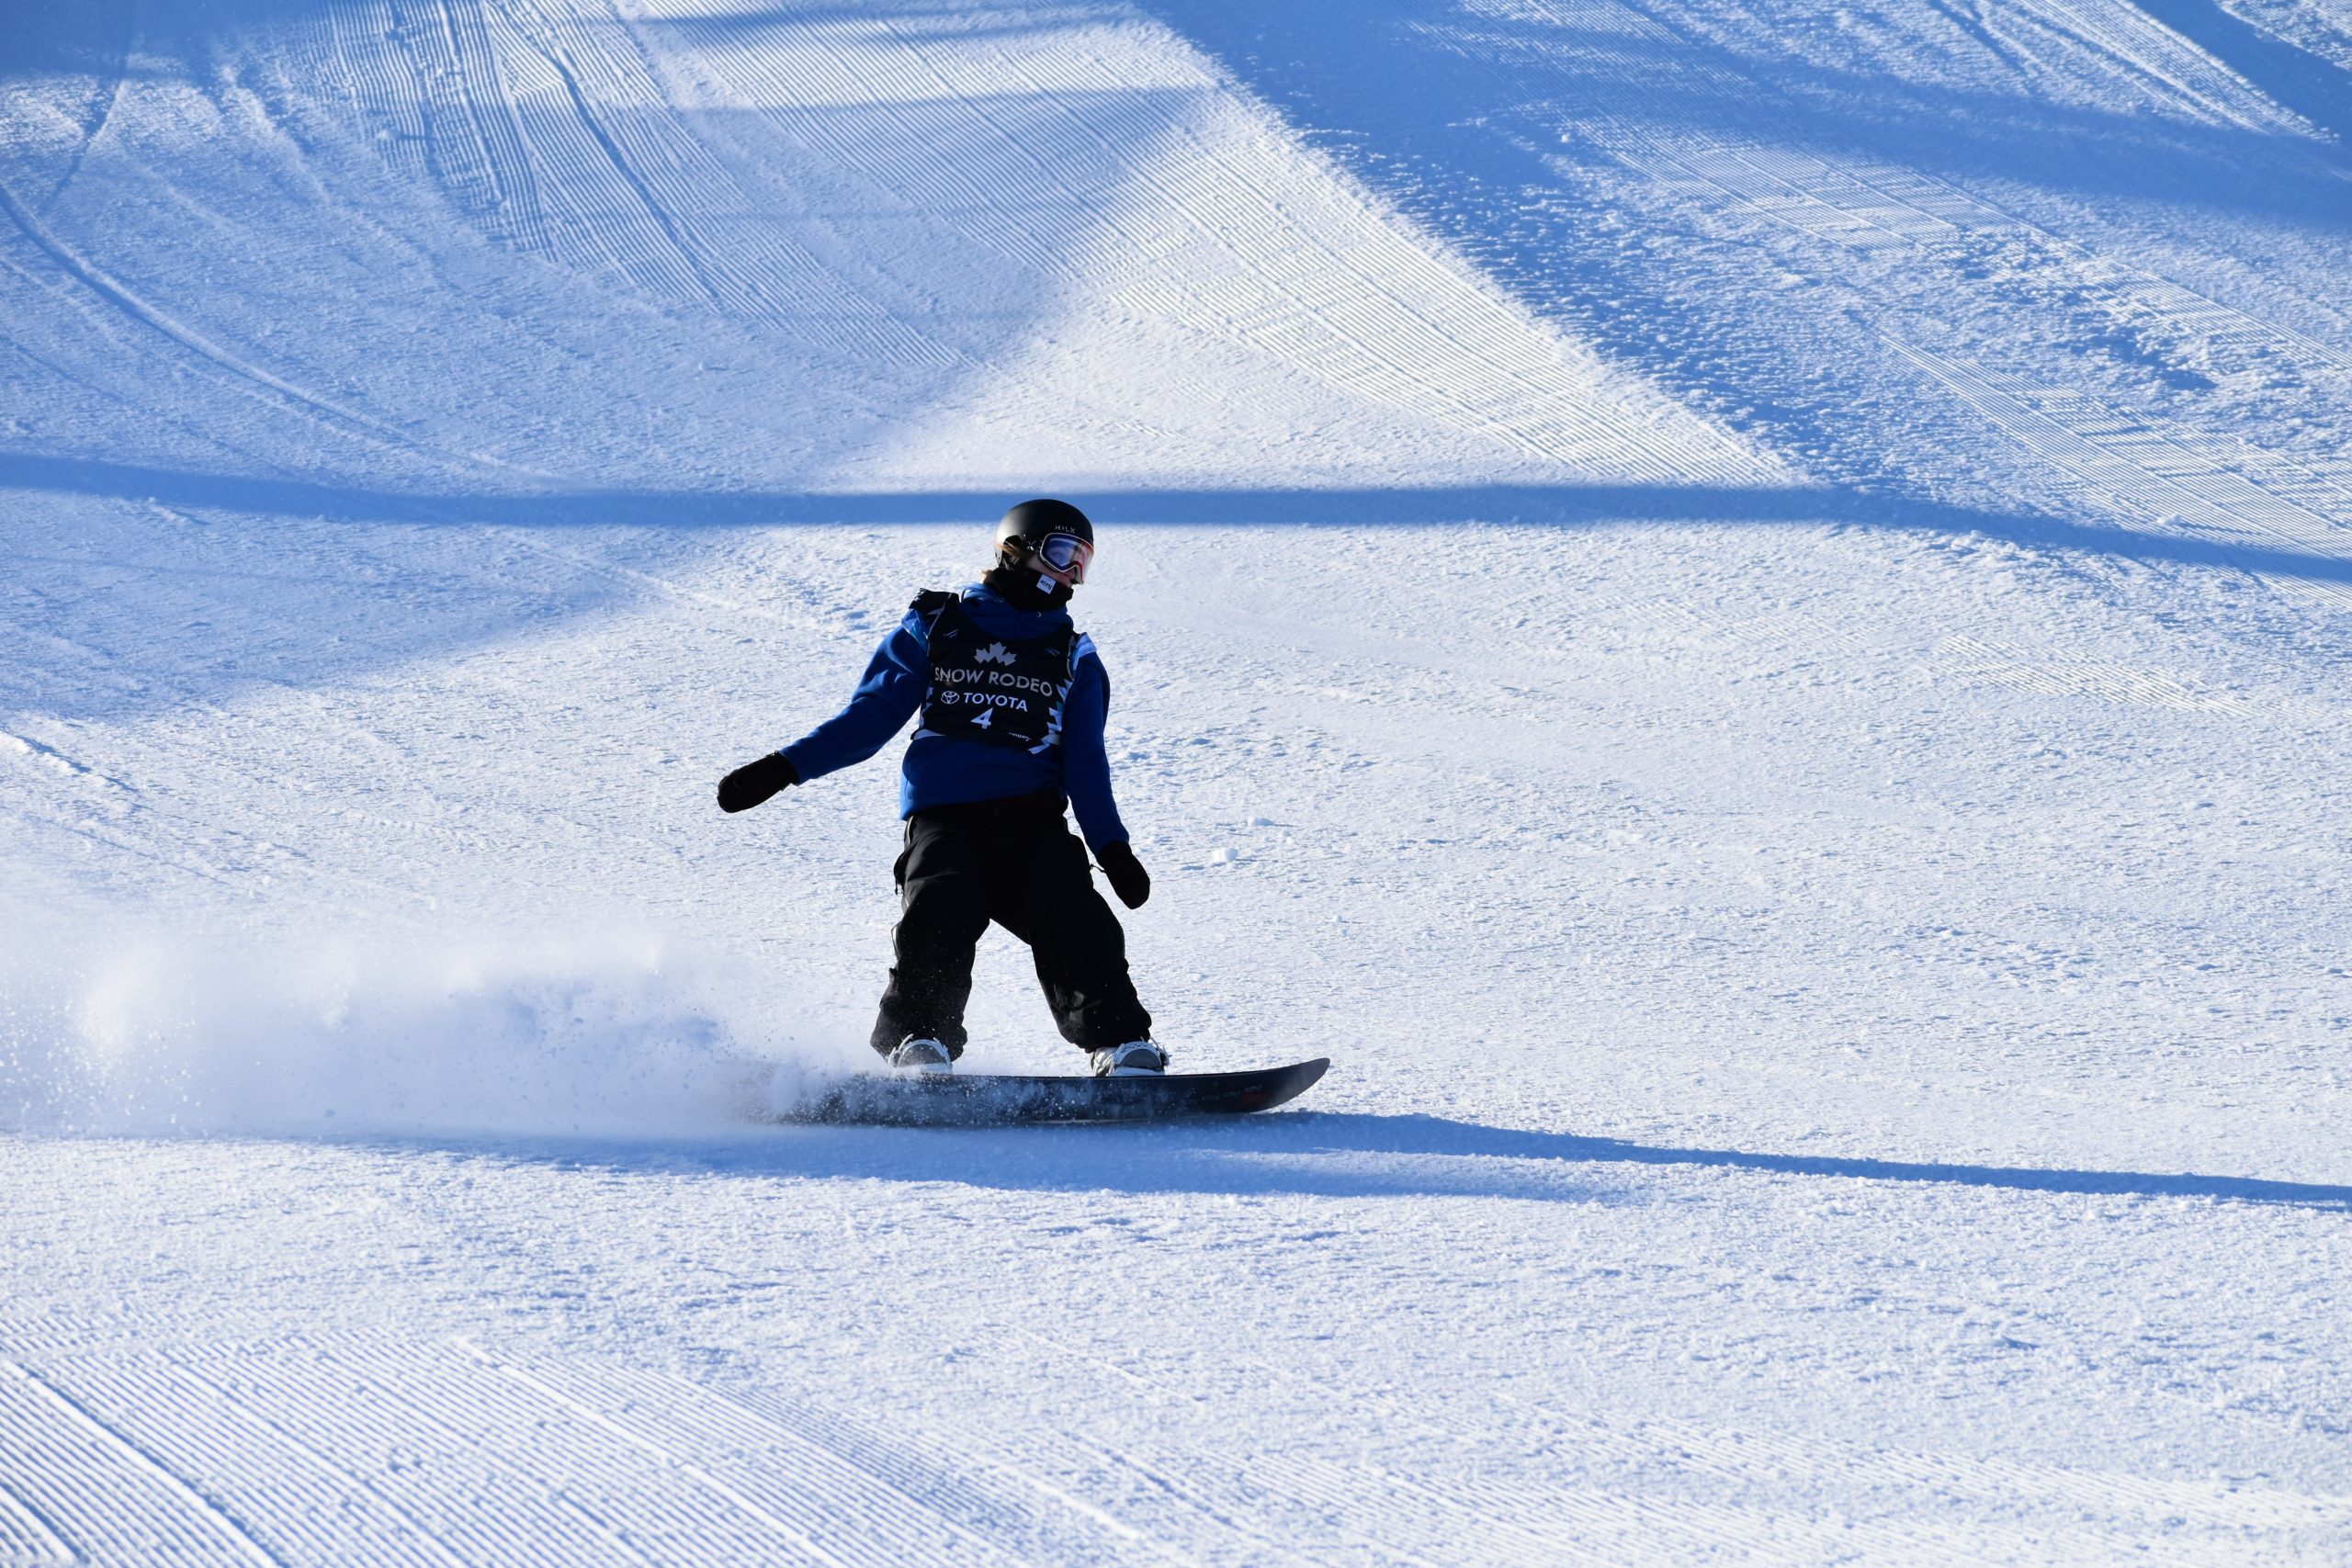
(1041, 802)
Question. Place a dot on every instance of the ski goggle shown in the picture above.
(1066, 555)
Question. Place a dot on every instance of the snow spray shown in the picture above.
(596, 1034)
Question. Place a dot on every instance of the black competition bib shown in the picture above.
(985, 687)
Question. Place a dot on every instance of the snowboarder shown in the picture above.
(1013, 699)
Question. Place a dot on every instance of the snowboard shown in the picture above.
(980, 1099)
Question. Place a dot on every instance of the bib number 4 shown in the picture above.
(985, 687)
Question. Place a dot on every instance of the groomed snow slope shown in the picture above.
(1739, 608)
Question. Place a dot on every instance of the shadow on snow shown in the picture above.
(1337, 1154)
(1563, 505)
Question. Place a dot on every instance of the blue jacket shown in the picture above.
(943, 771)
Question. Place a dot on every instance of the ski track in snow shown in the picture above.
(244, 375)
(2162, 474)
(391, 1451)
(1885, 206)
(1918, 228)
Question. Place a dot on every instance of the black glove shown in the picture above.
(1128, 878)
(754, 782)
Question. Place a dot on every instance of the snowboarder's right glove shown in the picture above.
(1128, 878)
(754, 782)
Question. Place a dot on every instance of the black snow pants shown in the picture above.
(1016, 862)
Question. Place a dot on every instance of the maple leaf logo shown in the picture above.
(994, 653)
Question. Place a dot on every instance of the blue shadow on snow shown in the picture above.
(1555, 504)
(1334, 1154)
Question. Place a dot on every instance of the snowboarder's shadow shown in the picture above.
(1359, 1154)
(1439, 1136)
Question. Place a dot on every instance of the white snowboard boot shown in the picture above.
(917, 1055)
(1136, 1058)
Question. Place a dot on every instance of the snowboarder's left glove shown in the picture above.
(1128, 878)
(754, 782)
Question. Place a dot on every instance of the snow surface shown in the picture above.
(1738, 607)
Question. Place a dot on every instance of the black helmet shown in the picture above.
(1028, 525)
